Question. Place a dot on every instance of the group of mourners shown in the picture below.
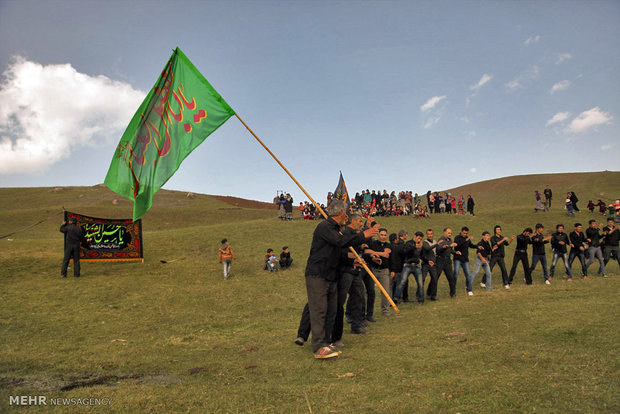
(343, 245)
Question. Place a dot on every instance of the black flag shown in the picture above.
(341, 193)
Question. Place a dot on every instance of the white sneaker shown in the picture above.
(547, 282)
(483, 285)
(507, 286)
(470, 293)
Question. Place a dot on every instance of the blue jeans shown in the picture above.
(543, 261)
(226, 267)
(417, 272)
(554, 261)
(487, 272)
(458, 265)
(582, 258)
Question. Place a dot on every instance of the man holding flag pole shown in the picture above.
(177, 115)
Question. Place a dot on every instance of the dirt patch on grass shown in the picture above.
(243, 203)
(87, 380)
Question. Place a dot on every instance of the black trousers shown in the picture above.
(304, 324)
(434, 276)
(446, 268)
(72, 251)
(322, 304)
(499, 260)
(286, 263)
(352, 286)
(520, 257)
(369, 284)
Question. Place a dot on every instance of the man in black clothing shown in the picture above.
(444, 251)
(538, 251)
(412, 252)
(380, 265)
(594, 240)
(322, 272)
(400, 249)
(429, 261)
(349, 284)
(578, 249)
(73, 237)
(548, 196)
(559, 241)
(498, 242)
(461, 258)
(612, 237)
(523, 240)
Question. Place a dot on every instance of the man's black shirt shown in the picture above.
(463, 245)
(538, 244)
(499, 252)
(556, 238)
(594, 236)
(327, 242)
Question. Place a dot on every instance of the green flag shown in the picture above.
(178, 114)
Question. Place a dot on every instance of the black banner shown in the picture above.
(109, 239)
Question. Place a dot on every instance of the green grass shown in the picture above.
(176, 337)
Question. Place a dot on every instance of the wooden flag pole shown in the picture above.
(322, 212)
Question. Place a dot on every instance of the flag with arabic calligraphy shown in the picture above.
(109, 239)
(176, 116)
(341, 193)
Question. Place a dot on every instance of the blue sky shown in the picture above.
(401, 95)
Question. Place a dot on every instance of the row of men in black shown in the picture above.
(602, 246)
(403, 258)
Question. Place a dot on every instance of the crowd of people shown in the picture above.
(343, 245)
(381, 204)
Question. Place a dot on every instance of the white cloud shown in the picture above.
(533, 39)
(563, 57)
(431, 103)
(560, 86)
(589, 119)
(432, 120)
(473, 169)
(47, 111)
(530, 75)
(559, 117)
(483, 80)
(513, 85)
(607, 147)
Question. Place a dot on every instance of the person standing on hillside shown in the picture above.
(288, 207)
(461, 258)
(482, 261)
(380, 251)
(322, 274)
(73, 237)
(548, 196)
(523, 240)
(578, 249)
(538, 251)
(444, 252)
(612, 237)
(498, 242)
(594, 240)
(559, 241)
(225, 256)
(470, 205)
(429, 260)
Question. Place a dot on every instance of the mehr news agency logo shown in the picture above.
(27, 400)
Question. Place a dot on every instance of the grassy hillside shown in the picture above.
(176, 337)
